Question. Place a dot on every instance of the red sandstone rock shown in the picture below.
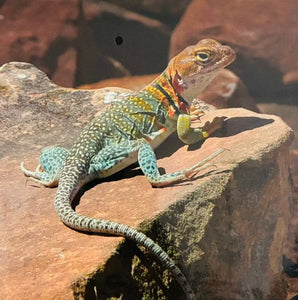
(75, 48)
(290, 248)
(263, 33)
(226, 228)
(43, 33)
(166, 9)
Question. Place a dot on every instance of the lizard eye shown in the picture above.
(204, 56)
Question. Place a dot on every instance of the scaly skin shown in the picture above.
(128, 132)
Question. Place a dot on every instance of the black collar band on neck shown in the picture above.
(164, 92)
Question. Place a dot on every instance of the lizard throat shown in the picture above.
(194, 85)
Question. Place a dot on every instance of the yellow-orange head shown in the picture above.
(196, 66)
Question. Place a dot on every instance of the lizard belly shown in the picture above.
(160, 138)
(131, 159)
(155, 139)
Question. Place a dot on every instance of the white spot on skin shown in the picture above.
(231, 87)
(22, 76)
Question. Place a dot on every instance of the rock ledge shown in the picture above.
(225, 228)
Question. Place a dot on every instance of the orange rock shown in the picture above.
(42, 35)
(226, 227)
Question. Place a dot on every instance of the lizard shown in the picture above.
(128, 132)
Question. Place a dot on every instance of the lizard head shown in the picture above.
(196, 66)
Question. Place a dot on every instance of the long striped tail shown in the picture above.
(67, 189)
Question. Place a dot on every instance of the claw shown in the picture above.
(26, 171)
(202, 165)
(193, 173)
(35, 177)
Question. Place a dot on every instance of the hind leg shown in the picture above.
(51, 163)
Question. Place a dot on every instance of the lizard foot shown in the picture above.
(216, 123)
(39, 176)
(202, 165)
(51, 162)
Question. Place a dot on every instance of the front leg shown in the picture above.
(148, 164)
(189, 135)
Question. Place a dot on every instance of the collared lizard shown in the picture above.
(127, 132)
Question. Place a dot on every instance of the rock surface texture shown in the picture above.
(291, 249)
(225, 227)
